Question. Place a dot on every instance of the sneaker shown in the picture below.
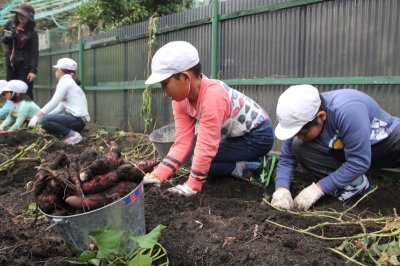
(73, 138)
(262, 175)
(353, 190)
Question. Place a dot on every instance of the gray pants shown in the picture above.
(322, 160)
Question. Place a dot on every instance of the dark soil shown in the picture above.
(225, 224)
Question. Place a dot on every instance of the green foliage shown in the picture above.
(109, 14)
(107, 249)
(381, 250)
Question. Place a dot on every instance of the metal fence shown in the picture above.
(263, 46)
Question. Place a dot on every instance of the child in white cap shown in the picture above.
(66, 114)
(337, 135)
(22, 108)
(234, 132)
(5, 109)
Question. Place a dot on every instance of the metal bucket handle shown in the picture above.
(56, 221)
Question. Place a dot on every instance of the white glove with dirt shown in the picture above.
(183, 190)
(33, 121)
(307, 197)
(150, 179)
(282, 199)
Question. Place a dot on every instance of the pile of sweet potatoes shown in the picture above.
(68, 185)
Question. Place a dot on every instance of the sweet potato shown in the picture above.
(47, 201)
(97, 200)
(88, 156)
(90, 202)
(40, 183)
(57, 184)
(58, 212)
(129, 172)
(120, 190)
(147, 165)
(100, 182)
(57, 159)
(98, 167)
(74, 167)
(113, 156)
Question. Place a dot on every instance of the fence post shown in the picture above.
(214, 39)
(81, 47)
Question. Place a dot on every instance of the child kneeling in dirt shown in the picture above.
(234, 132)
(337, 135)
(22, 108)
(5, 109)
(66, 114)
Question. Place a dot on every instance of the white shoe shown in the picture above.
(73, 138)
(353, 190)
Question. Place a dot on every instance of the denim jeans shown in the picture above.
(61, 124)
(249, 147)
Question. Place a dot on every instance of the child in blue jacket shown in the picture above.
(337, 135)
(23, 107)
(5, 109)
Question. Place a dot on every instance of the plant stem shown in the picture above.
(346, 257)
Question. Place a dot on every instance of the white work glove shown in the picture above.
(33, 121)
(183, 190)
(150, 179)
(307, 197)
(282, 199)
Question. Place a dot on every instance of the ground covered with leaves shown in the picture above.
(228, 223)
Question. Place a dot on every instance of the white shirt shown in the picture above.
(69, 98)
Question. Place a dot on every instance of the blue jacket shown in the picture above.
(355, 121)
(20, 112)
(5, 109)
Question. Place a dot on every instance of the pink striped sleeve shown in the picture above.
(184, 135)
(215, 109)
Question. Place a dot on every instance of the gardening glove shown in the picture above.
(307, 197)
(150, 179)
(282, 199)
(33, 121)
(183, 190)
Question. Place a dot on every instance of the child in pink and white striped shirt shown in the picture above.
(234, 132)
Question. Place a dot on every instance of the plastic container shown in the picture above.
(126, 214)
(163, 138)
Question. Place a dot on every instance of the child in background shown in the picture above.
(23, 107)
(66, 114)
(234, 132)
(5, 109)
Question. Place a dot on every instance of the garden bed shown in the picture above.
(228, 223)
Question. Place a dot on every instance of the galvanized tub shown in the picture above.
(126, 214)
(163, 138)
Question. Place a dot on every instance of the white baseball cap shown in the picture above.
(297, 106)
(3, 83)
(15, 85)
(172, 58)
(66, 63)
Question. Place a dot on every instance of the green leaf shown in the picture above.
(108, 242)
(149, 240)
(393, 249)
(95, 262)
(141, 260)
(76, 262)
(86, 256)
